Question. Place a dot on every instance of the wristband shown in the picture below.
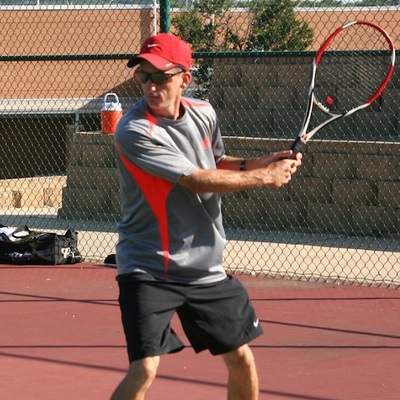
(243, 165)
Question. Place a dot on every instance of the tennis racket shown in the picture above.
(349, 72)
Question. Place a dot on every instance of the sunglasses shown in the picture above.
(156, 77)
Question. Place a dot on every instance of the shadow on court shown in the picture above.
(61, 338)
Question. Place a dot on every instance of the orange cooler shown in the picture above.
(111, 113)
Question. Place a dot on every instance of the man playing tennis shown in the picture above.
(172, 169)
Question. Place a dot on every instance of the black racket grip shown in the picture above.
(297, 145)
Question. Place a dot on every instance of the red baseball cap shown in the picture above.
(164, 51)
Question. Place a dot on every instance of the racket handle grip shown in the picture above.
(296, 146)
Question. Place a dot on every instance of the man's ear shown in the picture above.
(187, 78)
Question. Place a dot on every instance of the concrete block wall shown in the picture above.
(342, 187)
(349, 182)
(267, 97)
(92, 190)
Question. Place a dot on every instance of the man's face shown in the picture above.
(162, 90)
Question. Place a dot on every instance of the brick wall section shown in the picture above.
(69, 32)
(113, 31)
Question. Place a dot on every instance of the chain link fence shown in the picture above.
(339, 218)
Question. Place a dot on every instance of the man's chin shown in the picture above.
(154, 103)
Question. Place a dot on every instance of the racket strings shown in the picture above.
(352, 69)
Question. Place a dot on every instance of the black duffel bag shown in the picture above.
(24, 246)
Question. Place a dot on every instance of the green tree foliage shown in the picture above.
(208, 26)
(274, 27)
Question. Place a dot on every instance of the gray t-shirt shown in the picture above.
(167, 231)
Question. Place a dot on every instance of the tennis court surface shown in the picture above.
(61, 339)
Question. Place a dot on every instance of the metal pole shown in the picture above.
(165, 21)
(155, 17)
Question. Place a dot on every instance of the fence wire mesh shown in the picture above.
(337, 221)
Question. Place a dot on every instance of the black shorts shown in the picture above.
(218, 317)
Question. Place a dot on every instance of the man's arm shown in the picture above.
(272, 170)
